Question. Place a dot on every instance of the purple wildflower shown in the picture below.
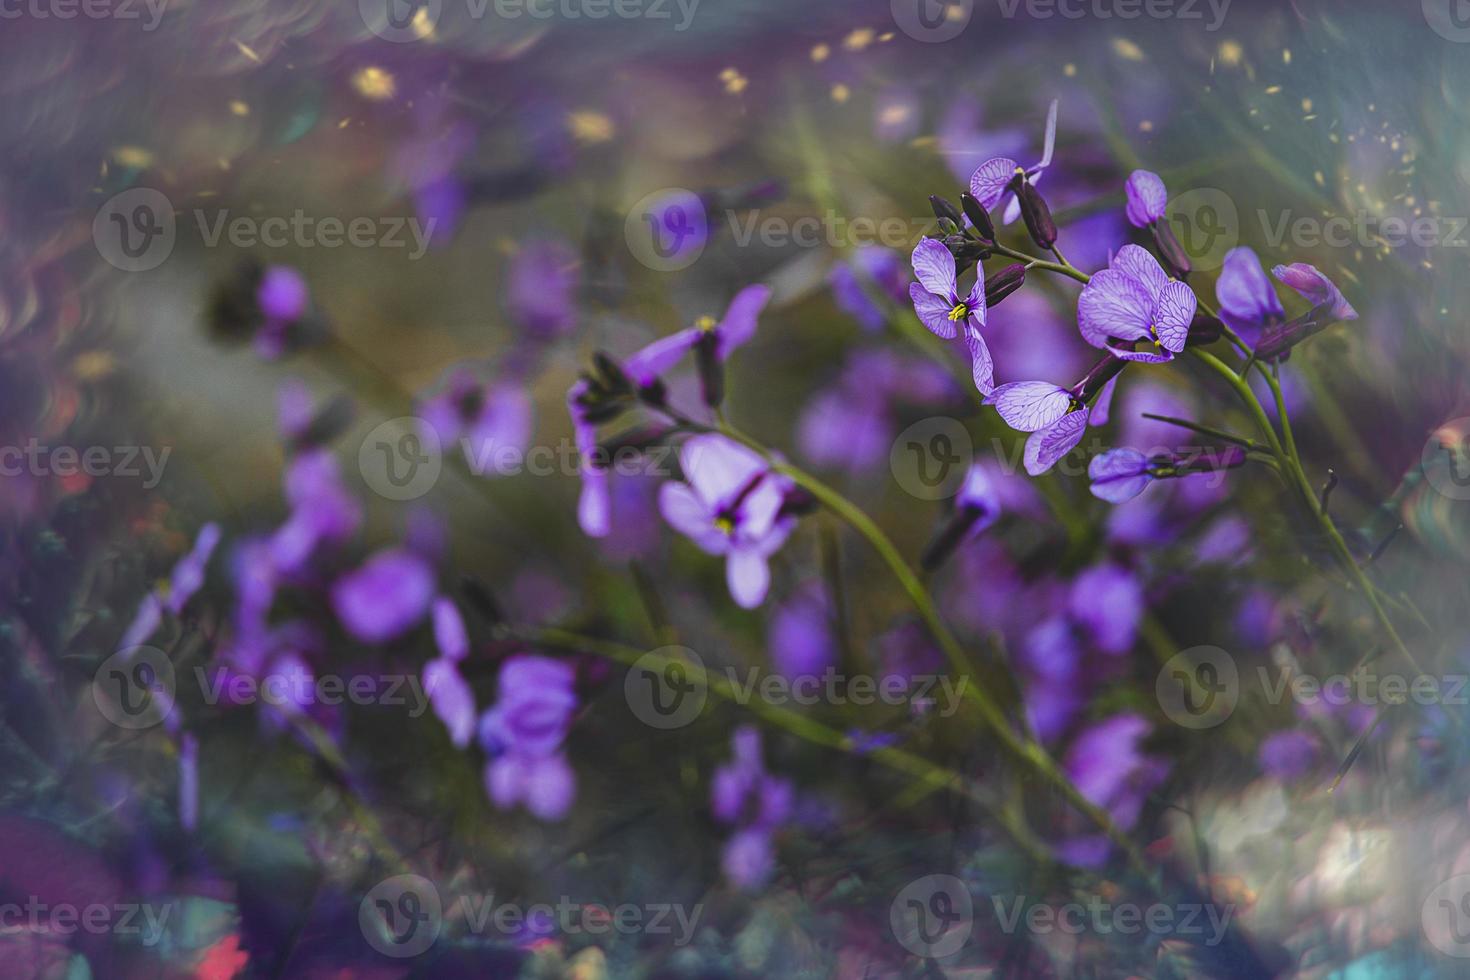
(1050, 661)
(449, 632)
(1107, 602)
(993, 180)
(1147, 198)
(800, 635)
(1248, 302)
(731, 506)
(188, 781)
(385, 597)
(524, 732)
(1122, 474)
(485, 419)
(869, 266)
(594, 505)
(322, 511)
(744, 795)
(1055, 416)
(284, 300)
(938, 304)
(977, 507)
(541, 289)
(188, 573)
(1132, 300)
(724, 336)
(1107, 766)
(1317, 289)
(451, 698)
(1289, 754)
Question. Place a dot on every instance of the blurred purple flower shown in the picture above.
(868, 267)
(1107, 602)
(800, 636)
(188, 573)
(1051, 661)
(284, 299)
(1288, 755)
(451, 698)
(384, 597)
(1134, 299)
(541, 289)
(449, 632)
(730, 506)
(1108, 767)
(744, 795)
(486, 420)
(523, 733)
(188, 781)
(594, 504)
(1248, 302)
(939, 306)
(323, 513)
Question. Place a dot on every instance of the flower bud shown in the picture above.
(978, 216)
(1174, 255)
(1003, 283)
(1204, 330)
(945, 211)
(1035, 213)
(711, 371)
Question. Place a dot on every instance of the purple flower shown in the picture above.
(541, 289)
(800, 633)
(449, 632)
(486, 419)
(1107, 766)
(1248, 301)
(188, 781)
(1122, 474)
(744, 795)
(385, 597)
(451, 698)
(977, 507)
(1107, 602)
(322, 511)
(991, 182)
(731, 506)
(524, 732)
(284, 300)
(1147, 198)
(939, 306)
(1317, 289)
(869, 267)
(735, 330)
(594, 505)
(188, 574)
(1051, 661)
(1288, 755)
(1134, 299)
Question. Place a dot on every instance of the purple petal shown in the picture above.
(1246, 297)
(1316, 288)
(1137, 262)
(1142, 356)
(982, 368)
(282, 294)
(748, 576)
(1107, 601)
(989, 181)
(1147, 198)
(594, 505)
(1118, 475)
(451, 698)
(934, 268)
(1028, 406)
(188, 781)
(691, 517)
(1114, 304)
(1102, 409)
(1049, 141)
(1175, 312)
(718, 468)
(385, 597)
(550, 788)
(1048, 445)
(644, 366)
(188, 574)
(933, 311)
(748, 859)
(739, 324)
(449, 632)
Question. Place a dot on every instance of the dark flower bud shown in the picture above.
(950, 537)
(1003, 283)
(945, 211)
(1204, 329)
(329, 423)
(1174, 255)
(797, 503)
(971, 252)
(638, 439)
(655, 393)
(1035, 213)
(711, 371)
(602, 411)
(611, 373)
(1278, 340)
(477, 596)
(978, 216)
(1101, 373)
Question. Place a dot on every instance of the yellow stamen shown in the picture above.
(725, 526)
(705, 323)
(959, 312)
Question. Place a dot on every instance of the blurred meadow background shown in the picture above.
(504, 168)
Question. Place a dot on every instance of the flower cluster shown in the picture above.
(744, 796)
